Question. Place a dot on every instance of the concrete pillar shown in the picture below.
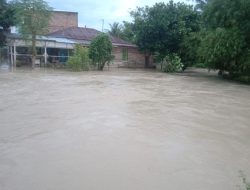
(45, 54)
(11, 56)
(14, 54)
(8, 55)
(68, 54)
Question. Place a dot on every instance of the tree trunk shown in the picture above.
(98, 66)
(147, 60)
(102, 66)
(33, 50)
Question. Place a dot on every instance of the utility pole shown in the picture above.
(102, 24)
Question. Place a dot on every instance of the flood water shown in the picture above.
(122, 130)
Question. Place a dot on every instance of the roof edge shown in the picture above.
(58, 11)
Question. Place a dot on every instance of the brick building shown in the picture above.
(64, 33)
(65, 25)
(61, 20)
(125, 53)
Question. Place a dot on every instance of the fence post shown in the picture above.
(14, 53)
(45, 55)
(11, 56)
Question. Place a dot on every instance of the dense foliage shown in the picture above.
(213, 34)
(80, 60)
(100, 51)
(160, 29)
(171, 63)
(124, 31)
(7, 19)
(128, 32)
(116, 30)
(226, 43)
(34, 16)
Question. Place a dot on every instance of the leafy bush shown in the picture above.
(80, 60)
(172, 63)
(100, 51)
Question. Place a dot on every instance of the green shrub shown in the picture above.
(100, 51)
(200, 65)
(172, 63)
(80, 60)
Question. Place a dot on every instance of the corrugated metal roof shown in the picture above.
(74, 35)
(61, 40)
(43, 38)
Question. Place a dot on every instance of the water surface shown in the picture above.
(122, 130)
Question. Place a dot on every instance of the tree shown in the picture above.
(115, 30)
(142, 32)
(124, 31)
(128, 33)
(222, 49)
(229, 14)
(100, 50)
(226, 45)
(34, 18)
(7, 19)
(189, 48)
(161, 28)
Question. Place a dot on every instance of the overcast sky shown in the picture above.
(92, 12)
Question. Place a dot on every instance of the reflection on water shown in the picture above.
(122, 129)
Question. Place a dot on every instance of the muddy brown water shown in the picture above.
(122, 130)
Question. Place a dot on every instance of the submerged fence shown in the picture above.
(41, 60)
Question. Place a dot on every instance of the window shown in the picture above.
(125, 54)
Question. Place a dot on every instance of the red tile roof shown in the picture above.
(85, 35)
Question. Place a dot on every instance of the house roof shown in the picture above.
(59, 11)
(86, 35)
(42, 38)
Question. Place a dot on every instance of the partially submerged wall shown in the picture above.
(129, 57)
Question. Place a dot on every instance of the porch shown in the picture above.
(50, 51)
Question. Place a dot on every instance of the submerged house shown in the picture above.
(64, 33)
(124, 52)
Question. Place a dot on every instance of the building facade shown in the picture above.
(61, 20)
(63, 34)
(125, 53)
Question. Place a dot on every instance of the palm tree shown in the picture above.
(115, 29)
